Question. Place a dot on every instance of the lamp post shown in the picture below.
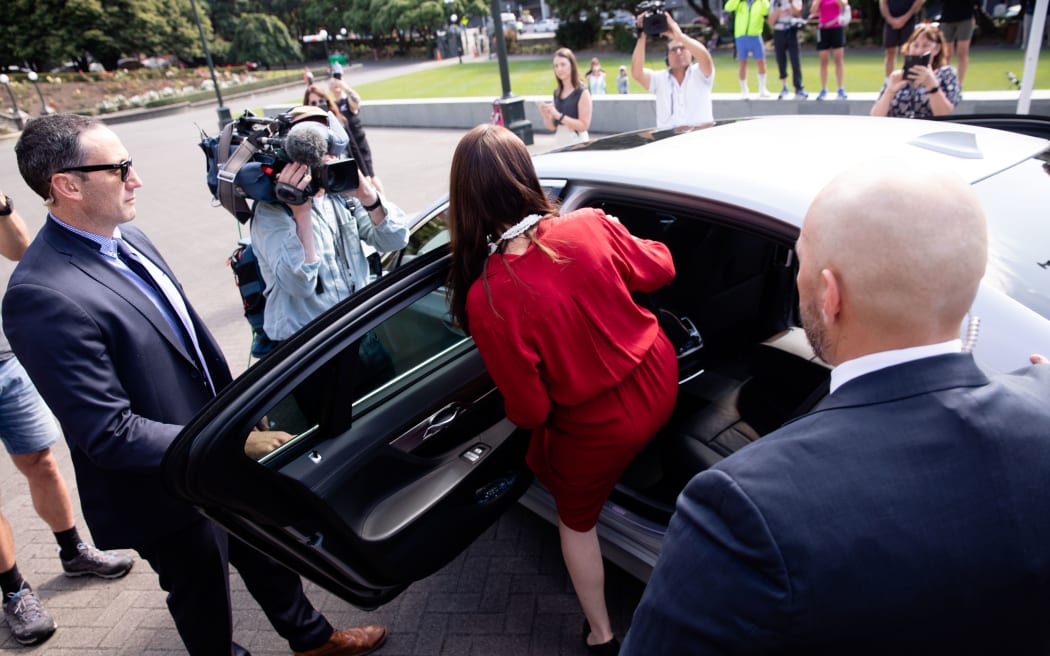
(224, 112)
(33, 77)
(6, 81)
(512, 107)
(323, 35)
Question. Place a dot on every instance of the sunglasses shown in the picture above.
(318, 103)
(125, 169)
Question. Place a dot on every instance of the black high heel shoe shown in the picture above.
(611, 648)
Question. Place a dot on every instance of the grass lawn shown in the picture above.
(864, 72)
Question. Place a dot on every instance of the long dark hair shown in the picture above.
(574, 68)
(333, 106)
(493, 185)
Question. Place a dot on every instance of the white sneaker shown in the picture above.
(764, 93)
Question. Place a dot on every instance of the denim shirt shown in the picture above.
(297, 291)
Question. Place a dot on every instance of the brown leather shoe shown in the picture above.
(350, 642)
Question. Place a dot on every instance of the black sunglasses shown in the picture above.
(125, 169)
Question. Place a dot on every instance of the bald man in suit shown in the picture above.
(907, 513)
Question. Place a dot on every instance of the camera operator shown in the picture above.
(311, 254)
(683, 92)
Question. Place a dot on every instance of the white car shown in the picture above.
(411, 456)
(544, 26)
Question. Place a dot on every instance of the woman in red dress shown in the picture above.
(547, 299)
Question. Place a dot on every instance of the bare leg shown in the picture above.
(823, 69)
(964, 60)
(891, 60)
(47, 488)
(7, 545)
(583, 559)
(742, 71)
(840, 66)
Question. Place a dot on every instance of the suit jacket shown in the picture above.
(116, 375)
(908, 513)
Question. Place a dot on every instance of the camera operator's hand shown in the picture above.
(673, 30)
(297, 175)
(368, 195)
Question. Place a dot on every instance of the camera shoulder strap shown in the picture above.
(228, 168)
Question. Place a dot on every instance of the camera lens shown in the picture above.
(340, 176)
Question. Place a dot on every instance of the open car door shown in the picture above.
(399, 455)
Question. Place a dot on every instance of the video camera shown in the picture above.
(654, 21)
(243, 162)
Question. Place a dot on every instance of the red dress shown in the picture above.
(575, 358)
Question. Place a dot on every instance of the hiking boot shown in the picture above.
(29, 622)
(103, 564)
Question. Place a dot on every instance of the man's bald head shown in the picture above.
(907, 248)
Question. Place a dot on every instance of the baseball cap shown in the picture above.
(308, 113)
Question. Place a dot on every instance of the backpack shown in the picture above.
(248, 278)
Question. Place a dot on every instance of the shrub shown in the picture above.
(623, 39)
(578, 35)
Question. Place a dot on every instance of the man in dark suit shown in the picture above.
(907, 514)
(101, 324)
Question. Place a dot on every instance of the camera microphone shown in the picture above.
(307, 143)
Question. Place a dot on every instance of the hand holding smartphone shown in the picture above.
(911, 61)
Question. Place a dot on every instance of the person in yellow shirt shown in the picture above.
(747, 29)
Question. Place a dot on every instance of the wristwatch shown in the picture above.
(9, 206)
(936, 89)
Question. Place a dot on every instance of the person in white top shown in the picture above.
(683, 92)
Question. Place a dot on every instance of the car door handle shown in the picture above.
(441, 419)
(429, 427)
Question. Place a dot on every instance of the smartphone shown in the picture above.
(915, 60)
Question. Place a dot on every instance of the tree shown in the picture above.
(581, 20)
(265, 39)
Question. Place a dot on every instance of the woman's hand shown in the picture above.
(922, 76)
(895, 81)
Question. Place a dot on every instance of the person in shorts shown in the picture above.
(747, 30)
(831, 38)
(957, 28)
(900, 23)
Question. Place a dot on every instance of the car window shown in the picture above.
(1015, 203)
(394, 353)
(427, 235)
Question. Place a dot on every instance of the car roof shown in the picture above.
(785, 160)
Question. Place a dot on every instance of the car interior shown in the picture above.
(753, 369)
(745, 368)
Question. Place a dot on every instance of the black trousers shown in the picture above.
(193, 567)
(785, 44)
